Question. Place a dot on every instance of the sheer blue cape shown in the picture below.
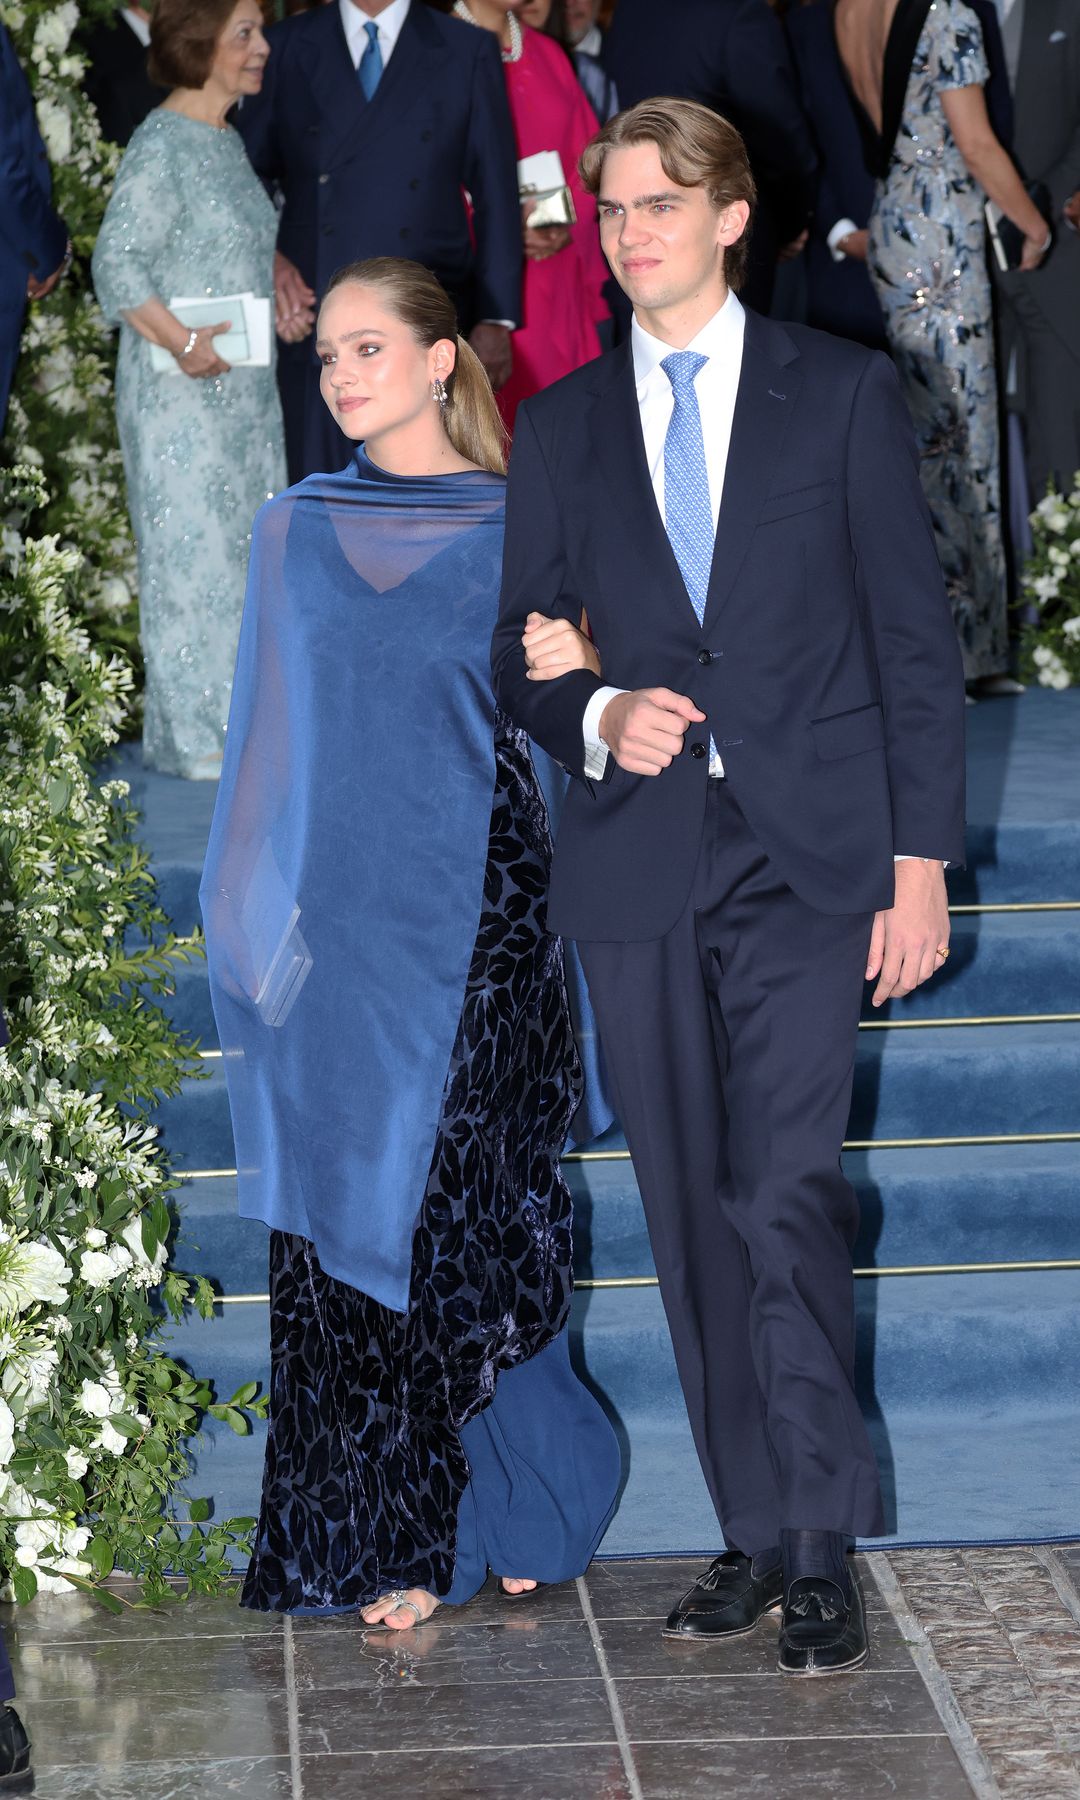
(344, 875)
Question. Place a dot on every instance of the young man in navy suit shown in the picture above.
(375, 119)
(736, 505)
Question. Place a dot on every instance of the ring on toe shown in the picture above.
(399, 1604)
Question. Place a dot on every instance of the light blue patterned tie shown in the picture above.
(371, 63)
(687, 506)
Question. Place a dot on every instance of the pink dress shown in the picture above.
(562, 301)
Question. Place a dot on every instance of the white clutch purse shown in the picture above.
(541, 179)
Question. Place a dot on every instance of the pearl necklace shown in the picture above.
(461, 11)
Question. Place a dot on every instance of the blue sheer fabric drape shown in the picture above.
(344, 875)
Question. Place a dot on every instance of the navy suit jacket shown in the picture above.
(385, 177)
(827, 664)
(32, 236)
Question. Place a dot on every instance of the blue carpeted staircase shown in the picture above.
(969, 1371)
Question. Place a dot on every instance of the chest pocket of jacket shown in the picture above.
(798, 500)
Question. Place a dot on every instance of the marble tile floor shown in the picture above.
(973, 1688)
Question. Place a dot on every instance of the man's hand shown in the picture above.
(37, 290)
(644, 730)
(294, 301)
(855, 245)
(907, 941)
(788, 252)
(492, 346)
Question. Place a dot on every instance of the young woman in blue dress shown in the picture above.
(393, 1011)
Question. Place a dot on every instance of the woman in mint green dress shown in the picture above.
(203, 449)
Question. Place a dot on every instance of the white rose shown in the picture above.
(95, 1399)
(110, 1439)
(55, 124)
(96, 1268)
(95, 1239)
(7, 1434)
(1071, 627)
(1060, 679)
(120, 1259)
(53, 30)
(29, 1273)
(1041, 656)
(77, 1464)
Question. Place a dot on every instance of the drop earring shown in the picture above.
(439, 393)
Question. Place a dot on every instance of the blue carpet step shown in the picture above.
(939, 1082)
(977, 1204)
(970, 1449)
(1002, 964)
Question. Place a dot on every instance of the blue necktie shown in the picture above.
(687, 506)
(371, 64)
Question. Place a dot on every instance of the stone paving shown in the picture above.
(973, 1687)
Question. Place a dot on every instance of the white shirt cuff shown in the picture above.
(839, 230)
(507, 324)
(596, 751)
(897, 859)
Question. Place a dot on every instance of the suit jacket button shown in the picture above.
(323, 179)
(698, 751)
(704, 658)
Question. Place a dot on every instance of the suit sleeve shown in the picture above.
(491, 178)
(35, 233)
(899, 581)
(536, 579)
(771, 116)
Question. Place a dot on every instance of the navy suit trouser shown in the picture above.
(730, 1043)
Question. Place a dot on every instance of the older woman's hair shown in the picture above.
(183, 37)
(697, 148)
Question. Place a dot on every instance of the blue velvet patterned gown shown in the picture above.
(927, 261)
(381, 835)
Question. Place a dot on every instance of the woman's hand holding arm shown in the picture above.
(153, 321)
(994, 169)
(553, 647)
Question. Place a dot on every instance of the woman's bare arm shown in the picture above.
(993, 168)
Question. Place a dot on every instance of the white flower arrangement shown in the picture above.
(94, 1414)
(1050, 641)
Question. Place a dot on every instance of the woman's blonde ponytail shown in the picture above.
(473, 421)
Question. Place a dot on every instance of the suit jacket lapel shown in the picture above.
(768, 387)
(615, 431)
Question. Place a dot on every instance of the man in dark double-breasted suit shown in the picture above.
(736, 506)
(375, 120)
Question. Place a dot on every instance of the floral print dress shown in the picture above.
(928, 265)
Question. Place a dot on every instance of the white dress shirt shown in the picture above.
(389, 22)
(141, 27)
(717, 385)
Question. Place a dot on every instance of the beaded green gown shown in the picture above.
(188, 216)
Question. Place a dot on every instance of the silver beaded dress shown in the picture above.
(927, 261)
(187, 217)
